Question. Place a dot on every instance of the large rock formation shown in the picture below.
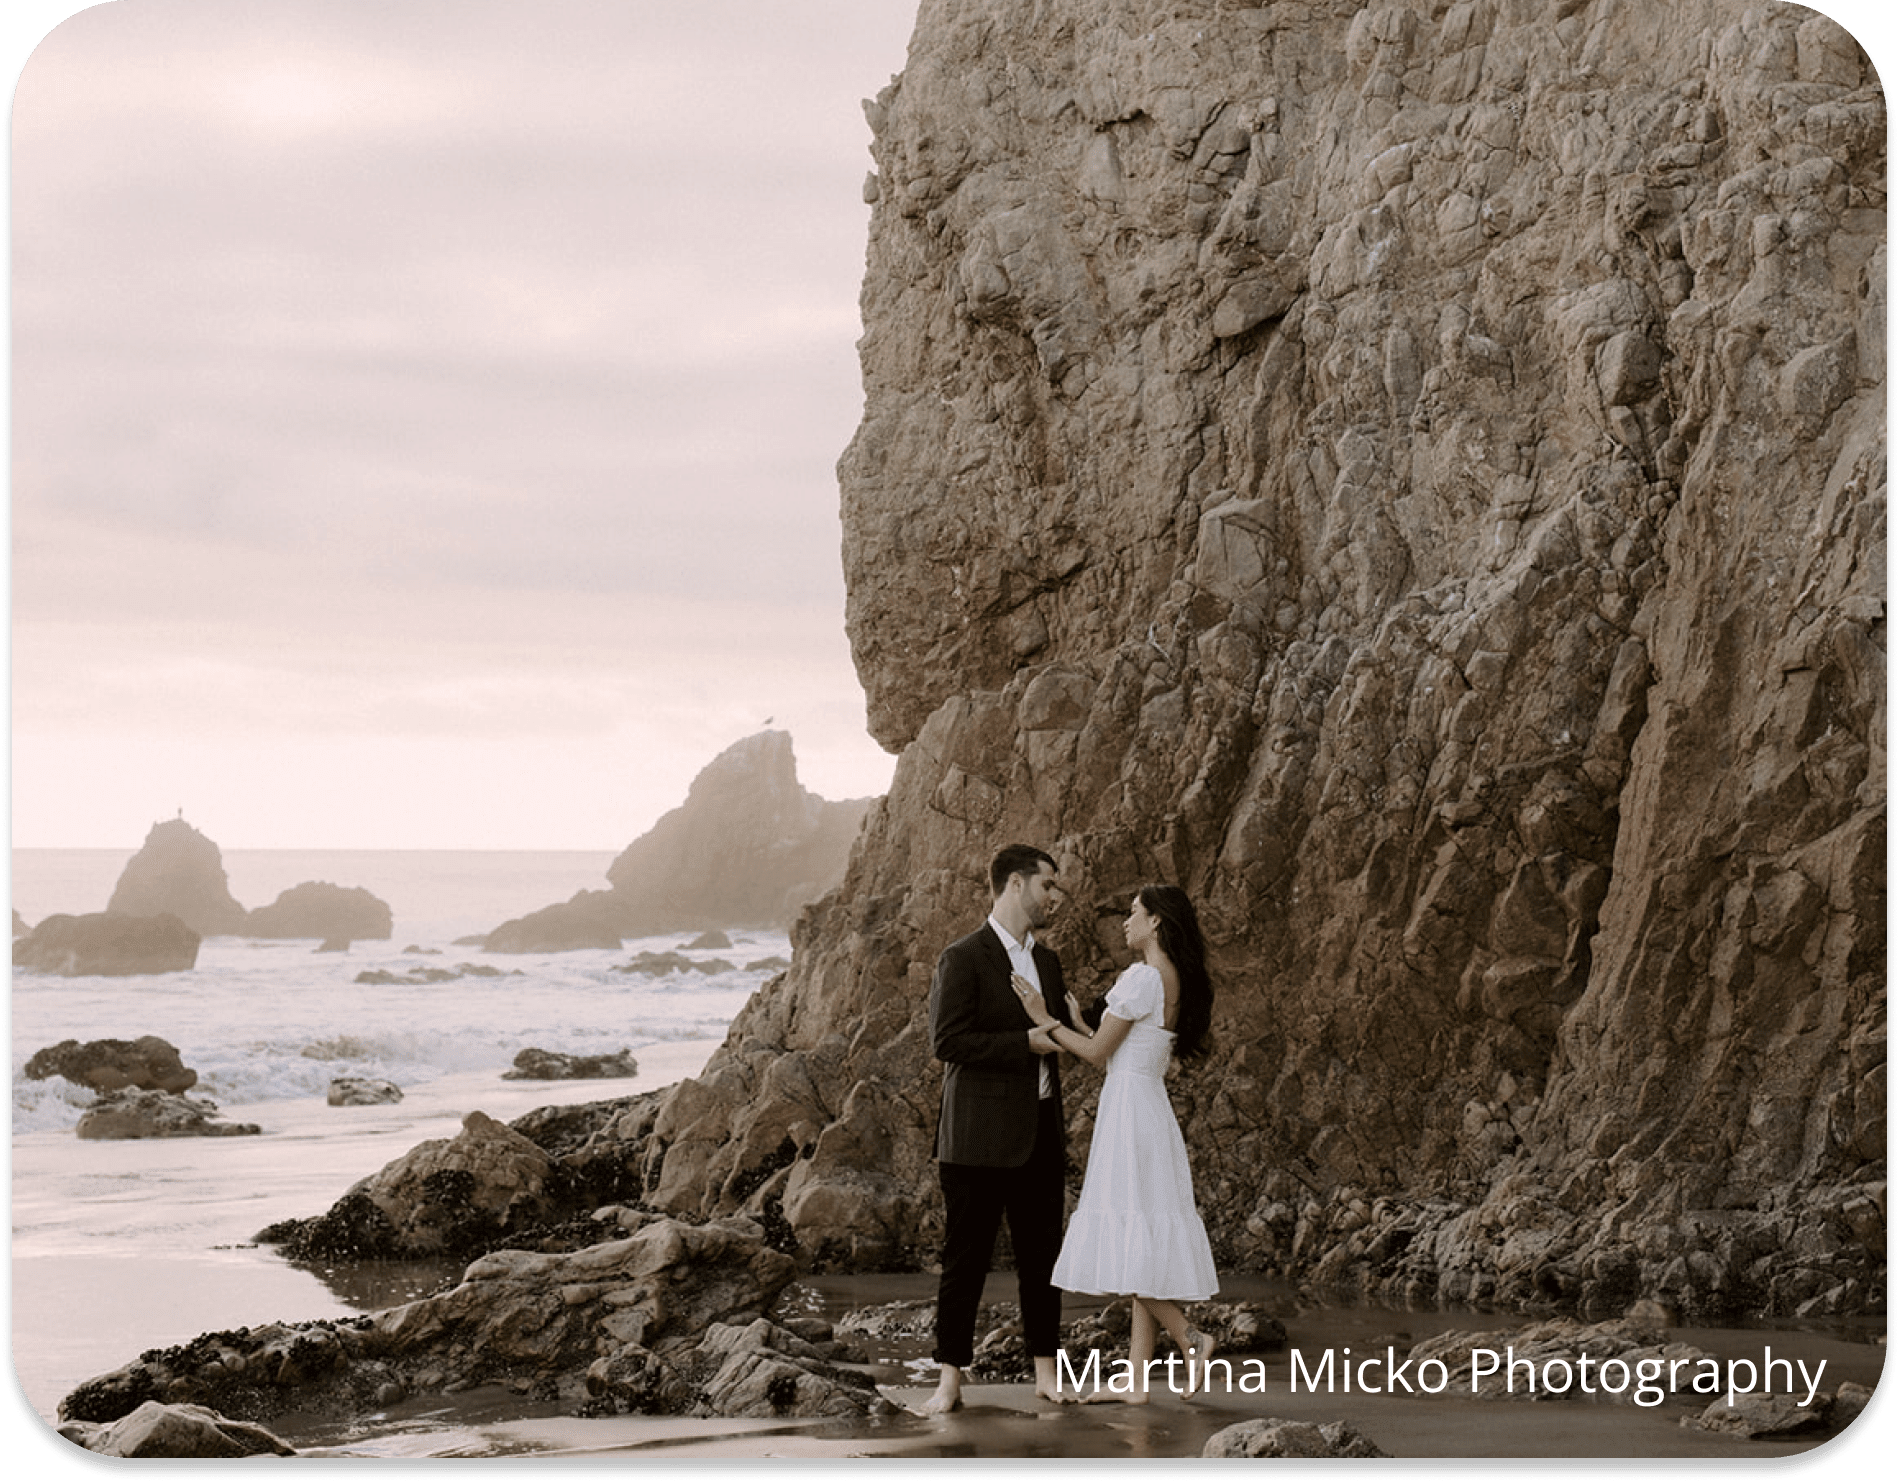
(108, 944)
(178, 870)
(317, 908)
(748, 847)
(661, 1317)
(1413, 475)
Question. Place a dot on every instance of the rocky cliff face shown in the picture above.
(1413, 475)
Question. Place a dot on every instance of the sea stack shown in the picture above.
(178, 870)
(749, 847)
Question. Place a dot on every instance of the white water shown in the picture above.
(123, 1246)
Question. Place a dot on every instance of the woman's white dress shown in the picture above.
(1136, 1229)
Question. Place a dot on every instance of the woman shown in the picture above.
(1136, 1231)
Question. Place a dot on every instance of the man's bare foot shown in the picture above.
(1048, 1384)
(948, 1396)
(1101, 1397)
(1198, 1357)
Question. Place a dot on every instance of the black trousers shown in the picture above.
(975, 1202)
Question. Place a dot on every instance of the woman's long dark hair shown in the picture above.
(1180, 938)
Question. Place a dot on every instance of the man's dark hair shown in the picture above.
(1016, 859)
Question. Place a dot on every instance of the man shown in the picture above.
(999, 1136)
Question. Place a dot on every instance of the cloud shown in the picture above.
(416, 370)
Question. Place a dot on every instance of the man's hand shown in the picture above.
(1042, 1041)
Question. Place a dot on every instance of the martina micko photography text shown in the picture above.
(1645, 1381)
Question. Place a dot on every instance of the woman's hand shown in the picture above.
(1032, 1002)
(1074, 1012)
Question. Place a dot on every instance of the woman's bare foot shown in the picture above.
(1048, 1381)
(1198, 1356)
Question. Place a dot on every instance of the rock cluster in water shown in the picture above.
(749, 847)
(1415, 477)
(173, 893)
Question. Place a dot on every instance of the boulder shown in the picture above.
(587, 1167)
(181, 872)
(591, 921)
(181, 1431)
(762, 1369)
(444, 1197)
(1290, 1438)
(1848, 1404)
(1558, 1347)
(147, 1063)
(351, 1090)
(1761, 1417)
(108, 944)
(132, 1113)
(714, 941)
(551, 1065)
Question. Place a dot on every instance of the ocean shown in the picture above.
(123, 1246)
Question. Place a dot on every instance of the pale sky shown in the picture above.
(425, 412)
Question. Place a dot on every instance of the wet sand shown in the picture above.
(1007, 1421)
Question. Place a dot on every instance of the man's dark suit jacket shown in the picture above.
(979, 1030)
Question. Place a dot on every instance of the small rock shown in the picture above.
(182, 1431)
(1758, 1417)
(1279, 1438)
(550, 1065)
(132, 1114)
(352, 1090)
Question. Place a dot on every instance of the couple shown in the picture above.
(998, 1017)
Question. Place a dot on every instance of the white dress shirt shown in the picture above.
(1022, 959)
